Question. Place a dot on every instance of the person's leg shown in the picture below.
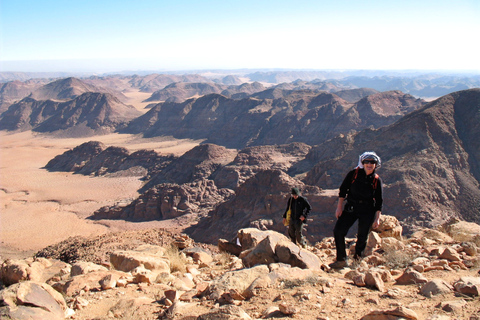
(365, 222)
(299, 233)
(292, 231)
(344, 223)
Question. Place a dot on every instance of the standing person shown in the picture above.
(299, 208)
(362, 188)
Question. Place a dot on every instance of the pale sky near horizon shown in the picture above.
(118, 35)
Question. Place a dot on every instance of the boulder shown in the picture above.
(468, 285)
(394, 314)
(91, 280)
(238, 279)
(31, 300)
(390, 244)
(389, 227)
(83, 267)
(128, 260)
(14, 271)
(469, 248)
(374, 279)
(373, 242)
(411, 276)
(262, 253)
(288, 252)
(229, 247)
(251, 237)
(450, 254)
(435, 287)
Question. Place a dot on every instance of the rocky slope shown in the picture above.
(154, 274)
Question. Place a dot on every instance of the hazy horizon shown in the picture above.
(115, 36)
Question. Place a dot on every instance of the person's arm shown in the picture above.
(339, 210)
(307, 209)
(376, 222)
(378, 204)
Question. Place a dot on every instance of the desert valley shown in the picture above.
(102, 177)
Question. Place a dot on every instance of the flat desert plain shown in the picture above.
(40, 208)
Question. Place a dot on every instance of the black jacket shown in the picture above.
(299, 207)
(362, 189)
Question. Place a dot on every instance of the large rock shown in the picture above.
(288, 252)
(251, 237)
(394, 314)
(128, 260)
(389, 227)
(83, 267)
(263, 253)
(435, 287)
(239, 280)
(266, 247)
(468, 285)
(31, 300)
(90, 281)
(411, 276)
(39, 270)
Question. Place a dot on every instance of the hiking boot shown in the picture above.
(339, 264)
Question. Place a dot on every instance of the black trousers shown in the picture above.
(295, 233)
(365, 217)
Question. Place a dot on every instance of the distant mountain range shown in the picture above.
(417, 83)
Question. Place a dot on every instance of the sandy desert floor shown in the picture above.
(40, 208)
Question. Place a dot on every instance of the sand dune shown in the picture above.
(39, 208)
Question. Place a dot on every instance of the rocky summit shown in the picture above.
(155, 274)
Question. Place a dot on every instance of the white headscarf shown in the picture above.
(369, 155)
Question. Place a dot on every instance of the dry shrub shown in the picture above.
(223, 259)
(178, 260)
(399, 259)
(293, 283)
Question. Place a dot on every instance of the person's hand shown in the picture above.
(376, 223)
(302, 218)
(338, 213)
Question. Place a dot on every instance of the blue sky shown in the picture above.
(116, 35)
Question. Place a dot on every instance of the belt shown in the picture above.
(360, 201)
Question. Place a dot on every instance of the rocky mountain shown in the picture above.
(353, 95)
(12, 91)
(154, 82)
(430, 161)
(270, 117)
(198, 163)
(231, 80)
(86, 114)
(243, 90)
(94, 158)
(180, 91)
(63, 89)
